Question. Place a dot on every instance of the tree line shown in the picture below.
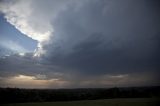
(17, 95)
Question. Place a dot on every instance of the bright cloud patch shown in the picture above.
(29, 21)
(24, 81)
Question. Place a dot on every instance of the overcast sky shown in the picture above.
(79, 43)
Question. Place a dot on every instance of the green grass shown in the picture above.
(106, 102)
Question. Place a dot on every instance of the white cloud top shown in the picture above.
(32, 18)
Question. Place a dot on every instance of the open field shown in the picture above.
(106, 102)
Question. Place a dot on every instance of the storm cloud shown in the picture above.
(87, 43)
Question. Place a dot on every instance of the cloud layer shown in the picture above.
(87, 43)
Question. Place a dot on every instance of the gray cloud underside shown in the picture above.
(101, 37)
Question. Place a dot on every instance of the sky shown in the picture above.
(79, 43)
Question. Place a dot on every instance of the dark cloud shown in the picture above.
(106, 37)
(16, 65)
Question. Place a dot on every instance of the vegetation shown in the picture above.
(107, 102)
(16, 95)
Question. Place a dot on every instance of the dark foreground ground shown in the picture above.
(105, 102)
(128, 96)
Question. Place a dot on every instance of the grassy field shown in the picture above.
(106, 102)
